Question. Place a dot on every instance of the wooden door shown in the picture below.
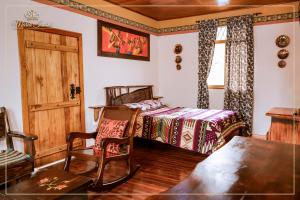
(52, 89)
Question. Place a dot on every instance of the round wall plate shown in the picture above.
(282, 41)
(178, 48)
(178, 67)
(282, 64)
(178, 59)
(283, 54)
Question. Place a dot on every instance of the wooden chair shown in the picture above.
(114, 113)
(13, 164)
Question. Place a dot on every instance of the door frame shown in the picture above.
(22, 57)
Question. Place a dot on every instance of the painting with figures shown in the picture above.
(121, 42)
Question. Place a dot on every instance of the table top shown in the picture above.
(284, 113)
(243, 166)
(48, 184)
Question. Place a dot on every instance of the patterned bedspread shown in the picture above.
(198, 130)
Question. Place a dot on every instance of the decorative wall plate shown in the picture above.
(283, 54)
(178, 59)
(178, 48)
(282, 64)
(282, 41)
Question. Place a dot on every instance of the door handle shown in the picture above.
(74, 90)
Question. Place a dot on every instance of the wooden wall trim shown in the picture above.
(92, 12)
(53, 47)
(80, 60)
(96, 13)
(21, 44)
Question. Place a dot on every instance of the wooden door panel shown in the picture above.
(56, 105)
(75, 117)
(39, 71)
(51, 65)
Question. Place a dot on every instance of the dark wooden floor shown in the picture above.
(162, 167)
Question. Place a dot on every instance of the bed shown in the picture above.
(198, 130)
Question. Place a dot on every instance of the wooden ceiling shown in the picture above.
(172, 9)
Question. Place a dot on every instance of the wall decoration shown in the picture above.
(178, 67)
(281, 64)
(282, 41)
(178, 59)
(120, 42)
(283, 54)
(178, 49)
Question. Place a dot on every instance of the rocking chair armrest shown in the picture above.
(82, 135)
(106, 141)
(27, 137)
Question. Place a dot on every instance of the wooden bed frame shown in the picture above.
(119, 95)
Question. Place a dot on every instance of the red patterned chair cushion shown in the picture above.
(110, 129)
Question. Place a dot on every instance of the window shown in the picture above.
(216, 78)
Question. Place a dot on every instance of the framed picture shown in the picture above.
(120, 42)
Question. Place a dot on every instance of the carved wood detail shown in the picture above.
(118, 95)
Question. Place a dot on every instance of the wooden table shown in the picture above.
(245, 168)
(285, 125)
(39, 186)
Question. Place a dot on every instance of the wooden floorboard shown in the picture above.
(162, 167)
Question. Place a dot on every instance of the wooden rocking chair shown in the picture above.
(13, 164)
(113, 113)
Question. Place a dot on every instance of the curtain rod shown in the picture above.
(224, 18)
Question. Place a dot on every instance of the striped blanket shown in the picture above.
(197, 130)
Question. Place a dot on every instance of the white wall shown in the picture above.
(275, 87)
(179, 88)
(98, 71)
(272, 87)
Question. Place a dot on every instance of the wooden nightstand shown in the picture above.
(97, 109)
(157, 97)
(285, 125)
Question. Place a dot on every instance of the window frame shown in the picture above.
(219, 86)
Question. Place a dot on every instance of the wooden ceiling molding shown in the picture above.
(174, 9)
(107, 12)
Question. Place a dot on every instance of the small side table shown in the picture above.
(285, 125)
(97, 109)
(157, 97)
(50, 184)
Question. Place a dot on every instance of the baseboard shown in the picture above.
(48, 165)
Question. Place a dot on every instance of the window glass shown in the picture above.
(216, 78)
(216, 75)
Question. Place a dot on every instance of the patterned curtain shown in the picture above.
(206, 45)
(240, 68)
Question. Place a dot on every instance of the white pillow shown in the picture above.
(146, 105)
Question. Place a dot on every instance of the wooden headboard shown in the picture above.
(118, 95)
